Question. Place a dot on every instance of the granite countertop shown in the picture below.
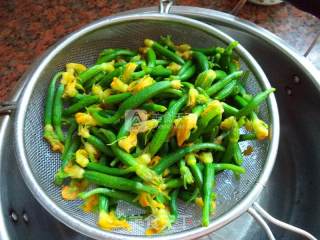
(29, 27)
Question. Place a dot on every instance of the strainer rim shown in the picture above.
(91, 231)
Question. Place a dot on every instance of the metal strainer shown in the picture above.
(38, 164)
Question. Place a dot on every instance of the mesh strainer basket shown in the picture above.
(38, 164)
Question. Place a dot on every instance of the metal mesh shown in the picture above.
(44, 163)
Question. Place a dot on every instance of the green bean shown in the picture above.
(151, 57)
(57, 112)
(188, 73)
(207, 190)
(202, 61)
(107, 79)
(154, 107)
(209, 51)
(227, 166)
(173, 204)
(119, 195)
(165, 126)
(99, 144)
(237, 155)
(162, 62)
(81, 104)
(229, 110)
(221, 84)
(50, 99)
(247, 137)
(164, 51)
(172, 158)
(160, 71)
(107, 56)
(118, 183)
(107, 170)
(134, 101)
(255, 102)
(142, 171)
(233, 138)
(174, 183)
(68, 140)
(167, 41)
(103, 203)
(220, 75)
(92, 72)
(195, 170)
(226, 91)
(184, 68)
(240, 100)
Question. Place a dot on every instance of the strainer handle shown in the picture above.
(7, 107)
(165, 6)
(259, 214)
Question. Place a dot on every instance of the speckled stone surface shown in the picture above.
(29, 27)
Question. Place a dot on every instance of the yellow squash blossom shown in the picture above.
(90, 203)
(118, 85)
(109, 221)
(140, 84)
(82, 157)
(160, 222)
(85, 119)
(131, 140)
(192, 97)
(184, 127)
(128, 70)
(69, 81)
(71, 191)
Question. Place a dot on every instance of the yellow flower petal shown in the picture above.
(128, 142)
(90, 203)
(140, 84)
(118, 85)
(85, 119)
(109, 221)
(184, 127)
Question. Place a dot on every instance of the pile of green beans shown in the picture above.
(151, 126)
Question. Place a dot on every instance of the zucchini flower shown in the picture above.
(192, 97)
(118, 85)
(140, 84)
(174, 67)
(92, 151)
(213, 109)
(185, 174)
(128, 70)
(85, 119)
(205, 157)
(52, 138)
(75, 68)
(109, 221)
(90, 204)
(184, 126)
(69, 81)
(160, 222)
(205, 79)
(71, 191)
(176, 84)
(82, 157)
(131, 140)
(228, 123)
(99, 92)
(260, 127)
(73, 171)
